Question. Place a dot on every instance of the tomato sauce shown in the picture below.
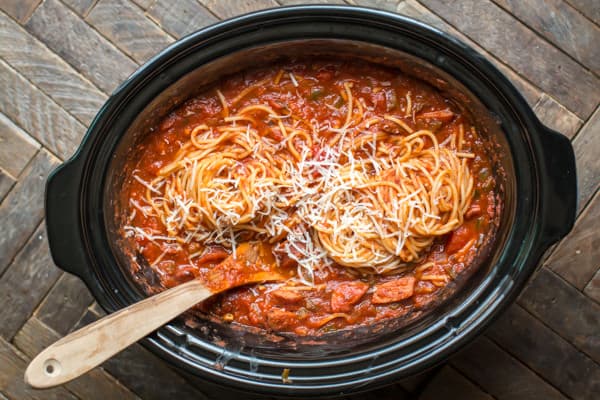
(340, 297)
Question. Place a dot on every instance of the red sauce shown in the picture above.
(350, 298)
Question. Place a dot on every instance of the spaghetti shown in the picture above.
(348, 173)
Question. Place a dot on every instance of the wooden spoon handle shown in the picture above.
(82, 350)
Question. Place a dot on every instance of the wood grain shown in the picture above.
(564, 309)
(295, 2)
(589, 8)
(587, 149)
(453, 385)
(144, 373)
(228, 9)
(16, 147)
(19, 9)
(182, 17)
(500, 374)
(84, 48)
(592, 289)
(557, 117)
(393, 392)
(562, 25)
(65, 304)
(23, 208)
(415, 10)
(37, 114)
(96, 385)
(81, 7)
(6, 183)
(389, 5)
(577, 257)
(12, 366)
(537, 60)
(541, 349)
(126, 26)
(49, 72)
(416, 383)
(144, 4)
(25, 283)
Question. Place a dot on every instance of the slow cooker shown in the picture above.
(538, 189)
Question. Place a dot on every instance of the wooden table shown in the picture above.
(61, 58)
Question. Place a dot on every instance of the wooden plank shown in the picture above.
(537, 60)
(126, 26)
(587, 147)
(144, 373)
(557, 117)
(48, 71)
(12, 368)
(416, 383)
(414, 10)
(65, 304)
(81, 7)
(592, 289)
(577, 256)
(182, 17)
(541, 349)
(23, 208)
(564, 309)
(6, 183)
(94, 385)
(561, 25)
(449, 383)
(16, 147)
(19, 9)
(389, 5)
(296, 2)
(228, 9)
(500, 374)
(392, 392)
(37, 114)
(144, 4)
(26, 282)
(589, 8)
(84, 48)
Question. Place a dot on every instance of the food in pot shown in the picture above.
(372, 189)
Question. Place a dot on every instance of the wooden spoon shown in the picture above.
(88, 347)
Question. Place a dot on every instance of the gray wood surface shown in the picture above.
(27, 194)
(526, 52)
(84, 48)
(16, 147)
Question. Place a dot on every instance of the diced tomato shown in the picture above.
(441, 115)
(185, 274)
(473, 211)
(214, 255)
(287, 263)
(275, 104)
(280, 320)
(324, 76)
(459, 238)
(287, 296)
(393, 291)
(347, 294)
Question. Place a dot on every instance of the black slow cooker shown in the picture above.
(537, 182)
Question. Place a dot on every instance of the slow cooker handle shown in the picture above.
(63, 220)
(559, 186)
